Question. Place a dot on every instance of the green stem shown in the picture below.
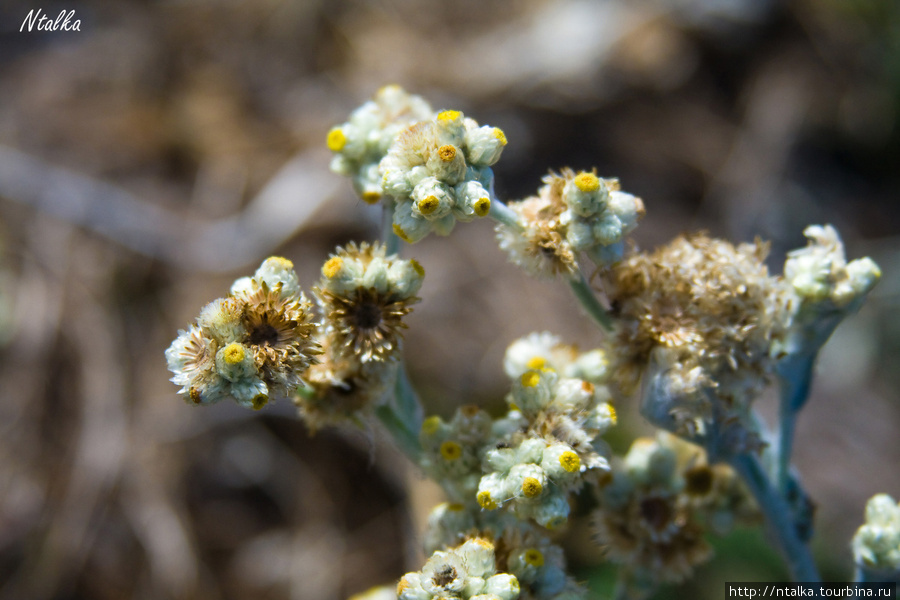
(589, 302)
(778, 518)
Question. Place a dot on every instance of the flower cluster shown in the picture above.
(571, 214)
(439, 172)
(876, 545)
(702, 313)
(561, 406)
(255, 342)
(261, 339)
(823, 288)
(361, 142)
(364, 296)
(468, 572)
(653, 508)
(524, 550)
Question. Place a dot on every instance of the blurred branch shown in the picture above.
(272, 217)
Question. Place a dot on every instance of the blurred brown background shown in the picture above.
(168, 147)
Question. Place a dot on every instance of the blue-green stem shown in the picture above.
(579, 285)
(796, 376)
(390, 239)
(866, 575)
(779, 518)
(402, 416)
(589, 302)
(502, 213)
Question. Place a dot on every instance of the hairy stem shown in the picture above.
(589, 302)
(402, 416)
(778, 516)
(796, 376)
(390, 239)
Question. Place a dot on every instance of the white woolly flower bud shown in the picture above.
(478, 555)
(501, 459)
(601, 418)
(579, 232)
(504, 586)
(552, 511)
(531, 450)
(472, 200)
(533, 391)
(607, 230)
(535, 346)
(251, 392)
(432, 199)
(527, 481)
(876, 545)
(492, 491)
(275, 271)
(235, 362)
(450, 128)
(561, 463)
(484, 145)
(573, 394)
(406, 277)
(409, 226)
(221, 319)
(591, 366)
(586, 194)
(628, 208)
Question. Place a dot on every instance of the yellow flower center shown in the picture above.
(431, 425)
(402, 585)
(398, 231)
(482, 206)
(531, 379)
(259, 401)
(332, 267)
(449, 115)
(194, 393)
(612, 414)
(532, 487)
(336, 140)
(498, 133)
(234, 353)
(587, 182)
(450, 450)
(484, 544)
(447, 152)
(570, 461)
(428, 205)
(534, 557)
(281, 262)
(485, 500)
(536, 363)
(371, 197)
(455, 507)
